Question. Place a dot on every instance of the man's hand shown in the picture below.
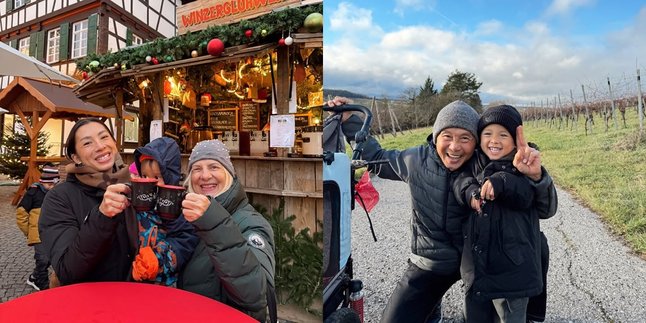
(339, 100)
(527, 159)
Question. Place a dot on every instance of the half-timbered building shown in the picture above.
(58, 32)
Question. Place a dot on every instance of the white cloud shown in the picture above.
(419, 38)
(537, 28)
(532, 63)
(563, 7)
(489, 27)
(402, 5)
(351, 18)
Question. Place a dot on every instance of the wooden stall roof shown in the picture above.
(54, 97)
(98, 88)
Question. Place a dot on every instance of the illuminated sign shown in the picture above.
(200, 14)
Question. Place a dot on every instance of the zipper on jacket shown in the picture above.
(445, 205)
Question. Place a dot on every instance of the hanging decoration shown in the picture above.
(281, 41)
(289, 40)
(248, 33)
(314, 22)
(168, 87)
(205, 99)
(215, 47)
(194, 54)
(182, 46)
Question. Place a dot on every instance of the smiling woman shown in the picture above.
(82, 226)
(234, 260)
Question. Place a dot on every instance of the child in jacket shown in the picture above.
(500, 265)
(164, 246)
(27, 215)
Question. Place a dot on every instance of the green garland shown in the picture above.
(276, 25)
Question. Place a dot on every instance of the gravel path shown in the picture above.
(593, 277)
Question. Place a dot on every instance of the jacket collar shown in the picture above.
(234, 198)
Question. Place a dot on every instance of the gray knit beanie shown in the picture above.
(456, 114)
(211, 149)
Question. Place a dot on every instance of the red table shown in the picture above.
(117, 302)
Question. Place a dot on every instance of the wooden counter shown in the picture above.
(267, 180)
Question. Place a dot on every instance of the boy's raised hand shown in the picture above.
(527, 159)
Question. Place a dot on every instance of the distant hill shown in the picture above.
(331, 93)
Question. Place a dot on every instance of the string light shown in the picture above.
(224, 77)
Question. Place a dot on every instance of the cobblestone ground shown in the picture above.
(16, 258)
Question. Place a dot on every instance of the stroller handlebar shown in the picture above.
(363, 133)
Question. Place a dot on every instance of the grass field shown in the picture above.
(605, 171)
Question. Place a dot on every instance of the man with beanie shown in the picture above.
(27, 215)
(437, 217)
(501, 260)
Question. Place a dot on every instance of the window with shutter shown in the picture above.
(80, 38)
(64, 46)
(23, 46)
(91, 37)
(40, 45)
(32, 44)
(136, 40)
(53, 45)
(128, 37)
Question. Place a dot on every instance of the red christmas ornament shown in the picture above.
(167, 87)
(84, 75)
(154, 60)
(215, 47)
(248, 33)
(281, 42)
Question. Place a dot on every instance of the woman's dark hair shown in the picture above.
(71, 138)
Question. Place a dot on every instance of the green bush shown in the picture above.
(299, 260)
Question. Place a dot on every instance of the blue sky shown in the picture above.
(522, 51)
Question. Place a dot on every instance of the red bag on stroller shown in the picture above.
(366, 192)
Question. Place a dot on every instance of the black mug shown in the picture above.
(143, 193)
(169, 201)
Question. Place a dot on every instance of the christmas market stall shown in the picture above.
(247, 73)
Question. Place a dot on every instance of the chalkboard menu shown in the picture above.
(249, 116)
(301, 120)
(223, 119)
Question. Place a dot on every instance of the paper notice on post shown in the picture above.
(155, 129)
(282, 131)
